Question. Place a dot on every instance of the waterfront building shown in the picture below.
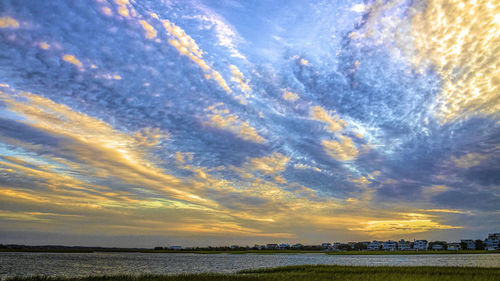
(374, 245)
(469, 244)
(272, 246)
(437, 247)
(420, 245)
(404, 245)
(390, 245)
(284, 246)
(454, 247)
(492, 242)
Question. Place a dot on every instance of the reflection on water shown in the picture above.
(83, 264)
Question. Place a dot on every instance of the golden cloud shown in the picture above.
(222, 119)
(150, 30)
(8, 22)
(341, 150)
(460, 38)
(334, 122)
(410, 223)
(289, 96)
(125, 8)
(239, 78)
(73, 60)
(272, 164)
(261, 204)
(469, 160)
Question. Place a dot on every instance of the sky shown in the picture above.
(154, 123)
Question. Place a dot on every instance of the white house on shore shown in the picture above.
(390, 245)
(420, 245)
(374, 245)
(284, 246)
(492, 242)
(326, 245)
(404, 245)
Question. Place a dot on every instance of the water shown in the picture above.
(84, 264)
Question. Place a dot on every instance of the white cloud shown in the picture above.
(225, 33)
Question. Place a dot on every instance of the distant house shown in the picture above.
(454, 247)
(494, 236)
(437, 247)
(272, 246)
(374, 245)
(234, 247)
(326, 245)
(404, 245)
(390, 245)
(420, 245)
(284, 246)
(336, 245)
(298, 246)
(492, 242)
(175, 247)
(469, 244)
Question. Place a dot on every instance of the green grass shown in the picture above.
(313, 273)
(411, 252)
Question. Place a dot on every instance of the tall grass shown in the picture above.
(313, 273)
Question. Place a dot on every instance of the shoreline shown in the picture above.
(264, 252)
(309, 272)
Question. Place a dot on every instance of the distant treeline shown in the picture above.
(59, 248)
(240, 248)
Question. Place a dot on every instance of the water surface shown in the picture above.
(84, 264)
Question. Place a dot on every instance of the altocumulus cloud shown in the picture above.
(187, 124)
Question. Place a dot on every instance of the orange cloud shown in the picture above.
(341, 150)
(221, 119)
(334, 123)
(73, 60)
(8, 22)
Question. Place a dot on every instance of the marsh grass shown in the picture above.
(313, 273)
(444, 252)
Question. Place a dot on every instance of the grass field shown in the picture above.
(410, 252)
(313, 273)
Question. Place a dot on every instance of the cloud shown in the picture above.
(8, 22)
(73, 60)
(359, 8)
(289, 96)
(150, 30)
(341, 150)
(410, 223)
(458, 40)
(226, 34)
(222, 119)
(239, 78)
(125, 8)
(334, 122)
(354, 147)
(187, 46)
(469, 160)
(275, 163)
